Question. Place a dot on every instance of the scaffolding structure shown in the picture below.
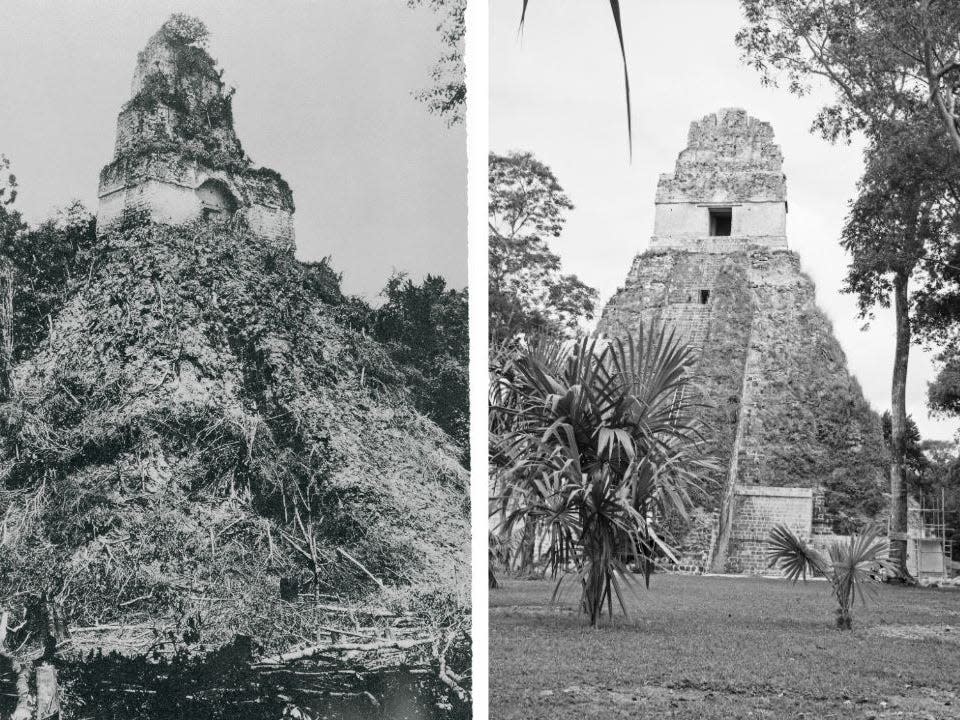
(929, 545)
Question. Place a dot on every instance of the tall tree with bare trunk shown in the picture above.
(893, 67)
(901, 227)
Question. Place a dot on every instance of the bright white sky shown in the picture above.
(558, 92)
(324, 96)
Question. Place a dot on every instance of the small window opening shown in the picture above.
(721, 220)
(704, 297)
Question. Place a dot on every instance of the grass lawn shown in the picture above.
(720, 647)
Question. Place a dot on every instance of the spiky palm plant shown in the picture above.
(850, 567)
(595, 442)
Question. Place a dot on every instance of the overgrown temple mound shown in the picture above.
(199, 432)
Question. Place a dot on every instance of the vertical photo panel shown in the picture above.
(233, 373)
(724, 302)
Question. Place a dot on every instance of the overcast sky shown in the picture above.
(324, 96)
(558, 92)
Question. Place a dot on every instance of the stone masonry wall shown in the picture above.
(782, 408)
(757, 510)
(771, 374)
(175, 134)
(729, 156)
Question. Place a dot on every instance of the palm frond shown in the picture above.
(618, 23)
(793, 555)
(858, 562)
(594, 448)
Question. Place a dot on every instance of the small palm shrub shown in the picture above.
(850, 567)
(594, 443)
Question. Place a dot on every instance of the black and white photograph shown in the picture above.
(512, 359)
(233, 360)
(724, 359)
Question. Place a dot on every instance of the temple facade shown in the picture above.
(797, 442)
(177, 158)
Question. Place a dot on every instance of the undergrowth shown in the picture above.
(196, 430)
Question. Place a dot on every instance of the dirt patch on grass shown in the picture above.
(531, 610)
(923, 703)
(943, 633)
(664, 701)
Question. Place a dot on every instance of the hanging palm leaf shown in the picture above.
(615, 10)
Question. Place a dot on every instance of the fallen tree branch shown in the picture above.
(313, 650)
(369, 611)
(446, 675)
(360, 565)
(24, 710)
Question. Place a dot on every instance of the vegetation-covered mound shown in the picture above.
(199, 444)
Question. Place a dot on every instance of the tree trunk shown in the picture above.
(934, 78)
(48, 692)
(24, 709)
(898, 424)
(6, 330)
(528, 543)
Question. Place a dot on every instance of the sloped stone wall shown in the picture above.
(767, 361)
(783, 409)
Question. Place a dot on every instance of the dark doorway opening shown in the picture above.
(704, 297)
(721, 220)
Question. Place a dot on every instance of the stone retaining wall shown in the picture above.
(757, 509)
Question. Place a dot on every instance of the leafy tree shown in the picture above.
(187, 30)
(8, 187)
(913, 455)
(46, 261)
(425, 329)
(900, 227)
(528, 293)
(848, 566)
(943, 394)
(886, 59)
(323, 282)
(11, 225)
(596, 446)
(448, 95)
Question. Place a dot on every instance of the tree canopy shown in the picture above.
(943, 394)
(425, 330)
(528, 292)
(447, 97)
(905, 220)
(885, 59)
(45, 259)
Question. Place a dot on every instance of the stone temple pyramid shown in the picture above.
(177, 157)
(797, 441)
